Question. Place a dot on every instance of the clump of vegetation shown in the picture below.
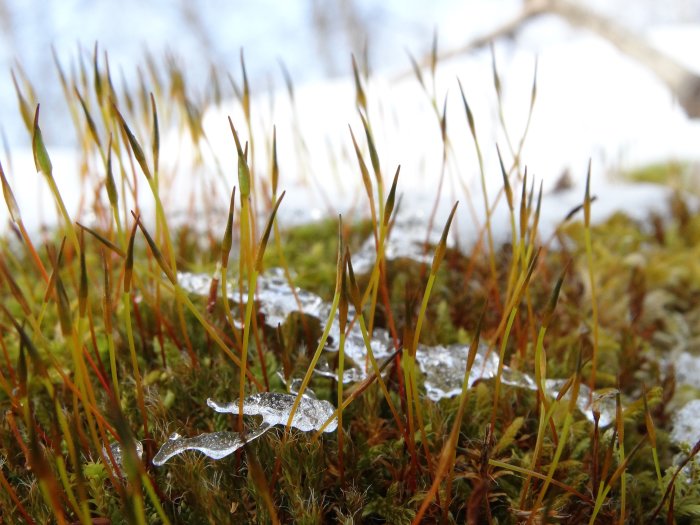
(101, 344)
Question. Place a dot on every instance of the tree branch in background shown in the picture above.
(684, 84)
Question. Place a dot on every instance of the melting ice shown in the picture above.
(216, 445)
(686, 423)
(408, 240)
(442, 366)
(278, 301)
(274, 408)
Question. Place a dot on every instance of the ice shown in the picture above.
(216, 445)
(277, 300)
(294, 384)
(687, 368)
(602, 402)
(407, 240)
(275, 407)
(351, 374)
(273, 293)
(118, 454)
(195, 283)
(359, 366)
(686, 423)
(443, 368)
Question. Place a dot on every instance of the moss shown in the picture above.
(647, 281)
(311, 251)
(666, 173)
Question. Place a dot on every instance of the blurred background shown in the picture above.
(593, 101)
(313, 38)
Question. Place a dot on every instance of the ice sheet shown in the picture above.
(275, 407)
(686, 424)
(216, 445)
(442, 366)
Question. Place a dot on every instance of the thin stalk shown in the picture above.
(447, 456)
(225, 253)
(501, 359)
(379, 268)
(621, 455)
(342, 321)
(43, 164)
(499, 98)
(484, 192)
(651, 432)
(326, 330)
(355, 296)
(591, 276)
(252, 280)
(409, 364)
(126, 312)
(244, 346)
(16, 217)
(563, 437)
(107, 316)
(511, 209)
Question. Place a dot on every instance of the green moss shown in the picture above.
(667, 173)
(647, 280)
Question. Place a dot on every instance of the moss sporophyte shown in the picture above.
(413, 362)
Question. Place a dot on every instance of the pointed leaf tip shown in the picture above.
(135, 146)
(587, 197)
(442, 247)
(266, 234)
(41, 156)
(506, 183)
(391, 199)
(12, 206)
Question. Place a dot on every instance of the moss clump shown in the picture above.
(100, 344)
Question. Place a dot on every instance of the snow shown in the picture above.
(592, 103)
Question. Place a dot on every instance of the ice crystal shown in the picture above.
(216, 445)
(278, 300)
(443, 367)
(686, 423)
(275, 408)
(408, 240)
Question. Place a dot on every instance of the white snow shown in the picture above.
(592, 103)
